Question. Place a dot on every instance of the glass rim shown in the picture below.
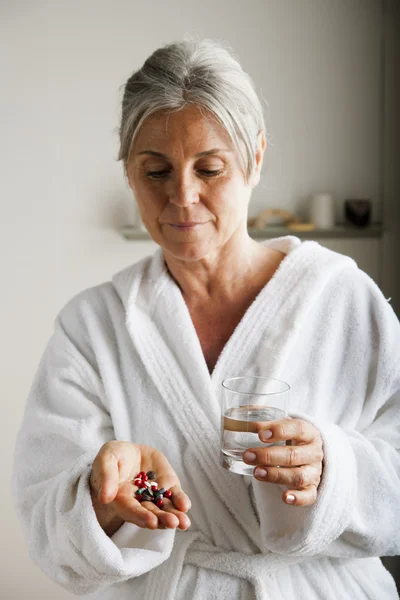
(223, 383)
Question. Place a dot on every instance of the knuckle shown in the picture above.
(109, 445)
(293, 455)
(275, 476)
(300, 479)
(267, 457)
(314, 494)
(307, 497)
(303, 501)
(316, 479)
(301, 426)
(158, 455)
(278, 430)
(108, 449)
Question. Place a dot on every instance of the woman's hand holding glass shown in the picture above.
(299, 465)
(113, 491)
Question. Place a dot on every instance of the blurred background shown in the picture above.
(327, 72)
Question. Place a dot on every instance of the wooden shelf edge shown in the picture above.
(376, 230)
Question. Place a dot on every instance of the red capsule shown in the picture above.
(144, 478)
(168, 494)
(141, 474)
(160, 503)
(139, 497)
(154, 485)
(138, 482)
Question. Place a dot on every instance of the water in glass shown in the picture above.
(240, 428)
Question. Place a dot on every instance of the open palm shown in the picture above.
(113, 472)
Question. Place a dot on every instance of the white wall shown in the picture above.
(316, 63)
(391, 154)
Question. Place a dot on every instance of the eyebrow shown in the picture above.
(204, 153)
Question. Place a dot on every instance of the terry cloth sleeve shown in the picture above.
(357, 511)
(64, 426)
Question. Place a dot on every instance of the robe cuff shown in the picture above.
(307, 530)
(98, 559)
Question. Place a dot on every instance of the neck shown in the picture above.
(223, 273)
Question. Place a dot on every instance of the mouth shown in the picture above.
(187, 225)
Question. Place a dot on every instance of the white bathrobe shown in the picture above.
(124, 362)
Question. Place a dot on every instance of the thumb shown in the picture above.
(108, 479)
(117, 467)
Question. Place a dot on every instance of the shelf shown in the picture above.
(340, 231)
(129, 232)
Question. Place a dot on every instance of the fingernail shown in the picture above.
(250, 456)
(265, 435)
(290, 498)
(261, 473)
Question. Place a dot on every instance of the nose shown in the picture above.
(183, 190)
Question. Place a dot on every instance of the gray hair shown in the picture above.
(204, 73)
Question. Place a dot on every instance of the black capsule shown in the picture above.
(151, 475)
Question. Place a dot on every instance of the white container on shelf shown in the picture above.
(322, 210)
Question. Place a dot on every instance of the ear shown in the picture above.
(260, 149)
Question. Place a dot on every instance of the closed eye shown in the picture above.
(210, 173)
(161, 174)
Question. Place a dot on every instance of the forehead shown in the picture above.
(190, 127)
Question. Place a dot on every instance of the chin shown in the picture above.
(189, 252)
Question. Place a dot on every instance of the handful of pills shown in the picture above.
(148, 489)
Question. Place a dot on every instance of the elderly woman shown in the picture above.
(130, 381)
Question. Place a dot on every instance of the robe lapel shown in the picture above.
(197, 425)
(263, 339)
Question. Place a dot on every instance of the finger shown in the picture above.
(169, 480)
(132, 511)
(289, 429)
(179, 499)
(166, 519)
(296, 478)
(184, 521)
(147, 514)
(285, 456)
(304, 497)
(177, 505)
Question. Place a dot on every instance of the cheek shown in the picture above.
(149, 201)
(234, 200)
(149, 211)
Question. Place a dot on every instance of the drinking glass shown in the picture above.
(248, 405)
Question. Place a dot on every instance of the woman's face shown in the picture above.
(188, 183)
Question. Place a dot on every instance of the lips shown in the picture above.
(187, 224)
